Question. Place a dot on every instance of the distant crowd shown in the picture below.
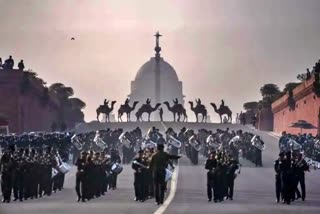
(8, 64)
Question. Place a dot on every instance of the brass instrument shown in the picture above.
(99, 142)
(256, 142)
(294, 145)
(76, 142)
(174, 142)
(235, 141)
(194, 143)
(124, 140)
(212, 143)
(313, 163)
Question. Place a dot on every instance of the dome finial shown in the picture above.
(157, 48)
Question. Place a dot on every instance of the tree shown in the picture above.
(77, 103)
(269, 90)
(290, 86)
(250, 105)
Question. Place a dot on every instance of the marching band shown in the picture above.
(35, 164)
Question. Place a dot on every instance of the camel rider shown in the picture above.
(198, 102)
(148, 101)
(127, 101)
(105, 102)
(222, 104)
(175, 101)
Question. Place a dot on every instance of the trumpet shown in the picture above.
(194, 143)
(256, 142)
(99, 142)
(76, 141)
(174, 142)
(124, 140)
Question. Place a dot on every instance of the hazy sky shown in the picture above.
(220, 49)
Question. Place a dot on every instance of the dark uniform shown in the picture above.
(211, 164)
(139, 177)
(6, 176)
(81, 184)
(300, 166)
(158, 164)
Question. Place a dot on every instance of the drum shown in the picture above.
(168, 175)
(64, 168)
(54, 172)
(116, 168)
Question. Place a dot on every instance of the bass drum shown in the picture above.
(116, 168)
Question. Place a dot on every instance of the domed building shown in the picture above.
(158, 81)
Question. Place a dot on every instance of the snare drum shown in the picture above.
(64, 168)
(168, 175)
(116, 168)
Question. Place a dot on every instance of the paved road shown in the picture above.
(254, 193)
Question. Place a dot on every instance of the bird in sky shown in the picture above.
(72, 38)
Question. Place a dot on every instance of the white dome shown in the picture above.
(147, 70)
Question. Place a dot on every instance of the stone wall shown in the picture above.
(24, 111)
(306, 108)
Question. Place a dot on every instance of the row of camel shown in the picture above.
(176, 109)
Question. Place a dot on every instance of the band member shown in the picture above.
(211, 164)
(6, 176)
(300, 167)
(278, 165)
(139, 165)
(232, 166)
(115, 158)
(158, 166)
(81, 188)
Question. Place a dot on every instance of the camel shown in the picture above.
(223, 110)
(177, 109)
(105, 109)
(126, 108)
(199, 109)
(146, 108)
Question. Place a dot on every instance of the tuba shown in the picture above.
(174, 141)
(124, 140)
(212, 143)
(256, 142)
(76, 142)
(99, 142)
(294, 145)
(194, 143)
(235, 141)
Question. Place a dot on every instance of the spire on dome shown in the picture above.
(157, 48)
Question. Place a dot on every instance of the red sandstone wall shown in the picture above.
(307, 108)
(24, 112)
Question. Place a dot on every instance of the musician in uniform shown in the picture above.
(115, 158)
(18, 184)
(6, 166)
(139, 166)
(158, 165)
(81, 177)
(300, 166)
(232, 166)
(210, 165)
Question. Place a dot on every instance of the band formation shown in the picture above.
(34, 165)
